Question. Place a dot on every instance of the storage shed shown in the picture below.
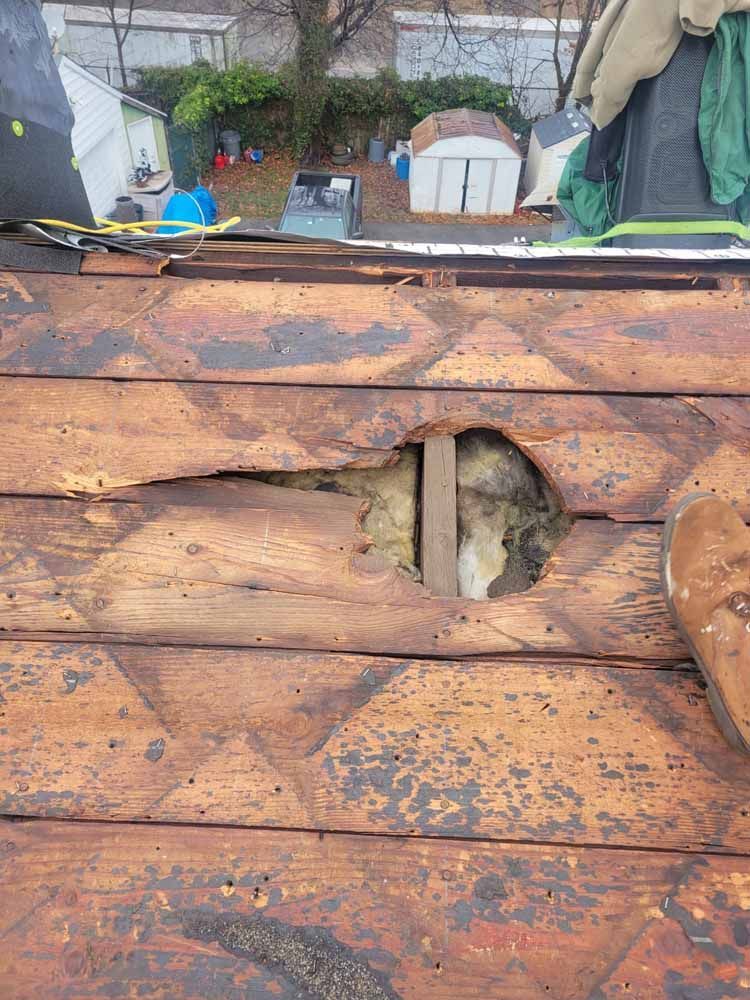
(464, 161)
(552, 142)
(110, 130)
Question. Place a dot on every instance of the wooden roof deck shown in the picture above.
(241, 757)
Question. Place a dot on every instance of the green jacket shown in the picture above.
(724, 120)
(723, 125)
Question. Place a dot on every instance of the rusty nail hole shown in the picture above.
(229, 883)
(203, 812)
(397, 756)
(743, 812)
(112, 744)
(158, 848)
(265, 878)
(277, 788)
(191, 781)
(11, 595)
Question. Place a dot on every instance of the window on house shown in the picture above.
(196, 47)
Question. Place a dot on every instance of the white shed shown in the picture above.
(464, 161)
(109, 131)
(552, 142)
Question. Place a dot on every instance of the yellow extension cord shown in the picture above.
(108, 228)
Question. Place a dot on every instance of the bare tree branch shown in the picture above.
(120, 21)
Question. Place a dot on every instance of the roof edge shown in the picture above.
(124, 98)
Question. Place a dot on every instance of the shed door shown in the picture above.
(450, 186)
(141, 136)
(478, 186)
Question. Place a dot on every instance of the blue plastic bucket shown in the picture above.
(402, 167)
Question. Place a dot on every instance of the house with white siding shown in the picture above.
(109, 133)
(151, 38)
(512, 50)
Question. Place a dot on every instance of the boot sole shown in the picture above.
(729, 730)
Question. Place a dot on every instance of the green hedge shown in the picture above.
(258, 103)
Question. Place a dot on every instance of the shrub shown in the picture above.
(164, 86)
(260, 104)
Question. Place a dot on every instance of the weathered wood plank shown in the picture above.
(316, 269)
(90, 910)
(439, 536)
(551, 752)
(254, 577)
(687, 342)
(121, 264)
(631, 457)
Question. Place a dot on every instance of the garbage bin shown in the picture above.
(230, 140)
(376, 151)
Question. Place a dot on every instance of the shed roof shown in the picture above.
(560, 126)
(165, 20)
(457, 123)
(62, 60)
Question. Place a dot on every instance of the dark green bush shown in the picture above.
(164, 86)
(260, 105)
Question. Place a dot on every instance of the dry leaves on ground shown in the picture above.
(258, 191)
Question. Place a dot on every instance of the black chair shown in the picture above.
(664, 178)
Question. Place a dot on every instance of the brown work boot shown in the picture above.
(706, 581)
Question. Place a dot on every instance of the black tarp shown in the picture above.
(39, 178)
